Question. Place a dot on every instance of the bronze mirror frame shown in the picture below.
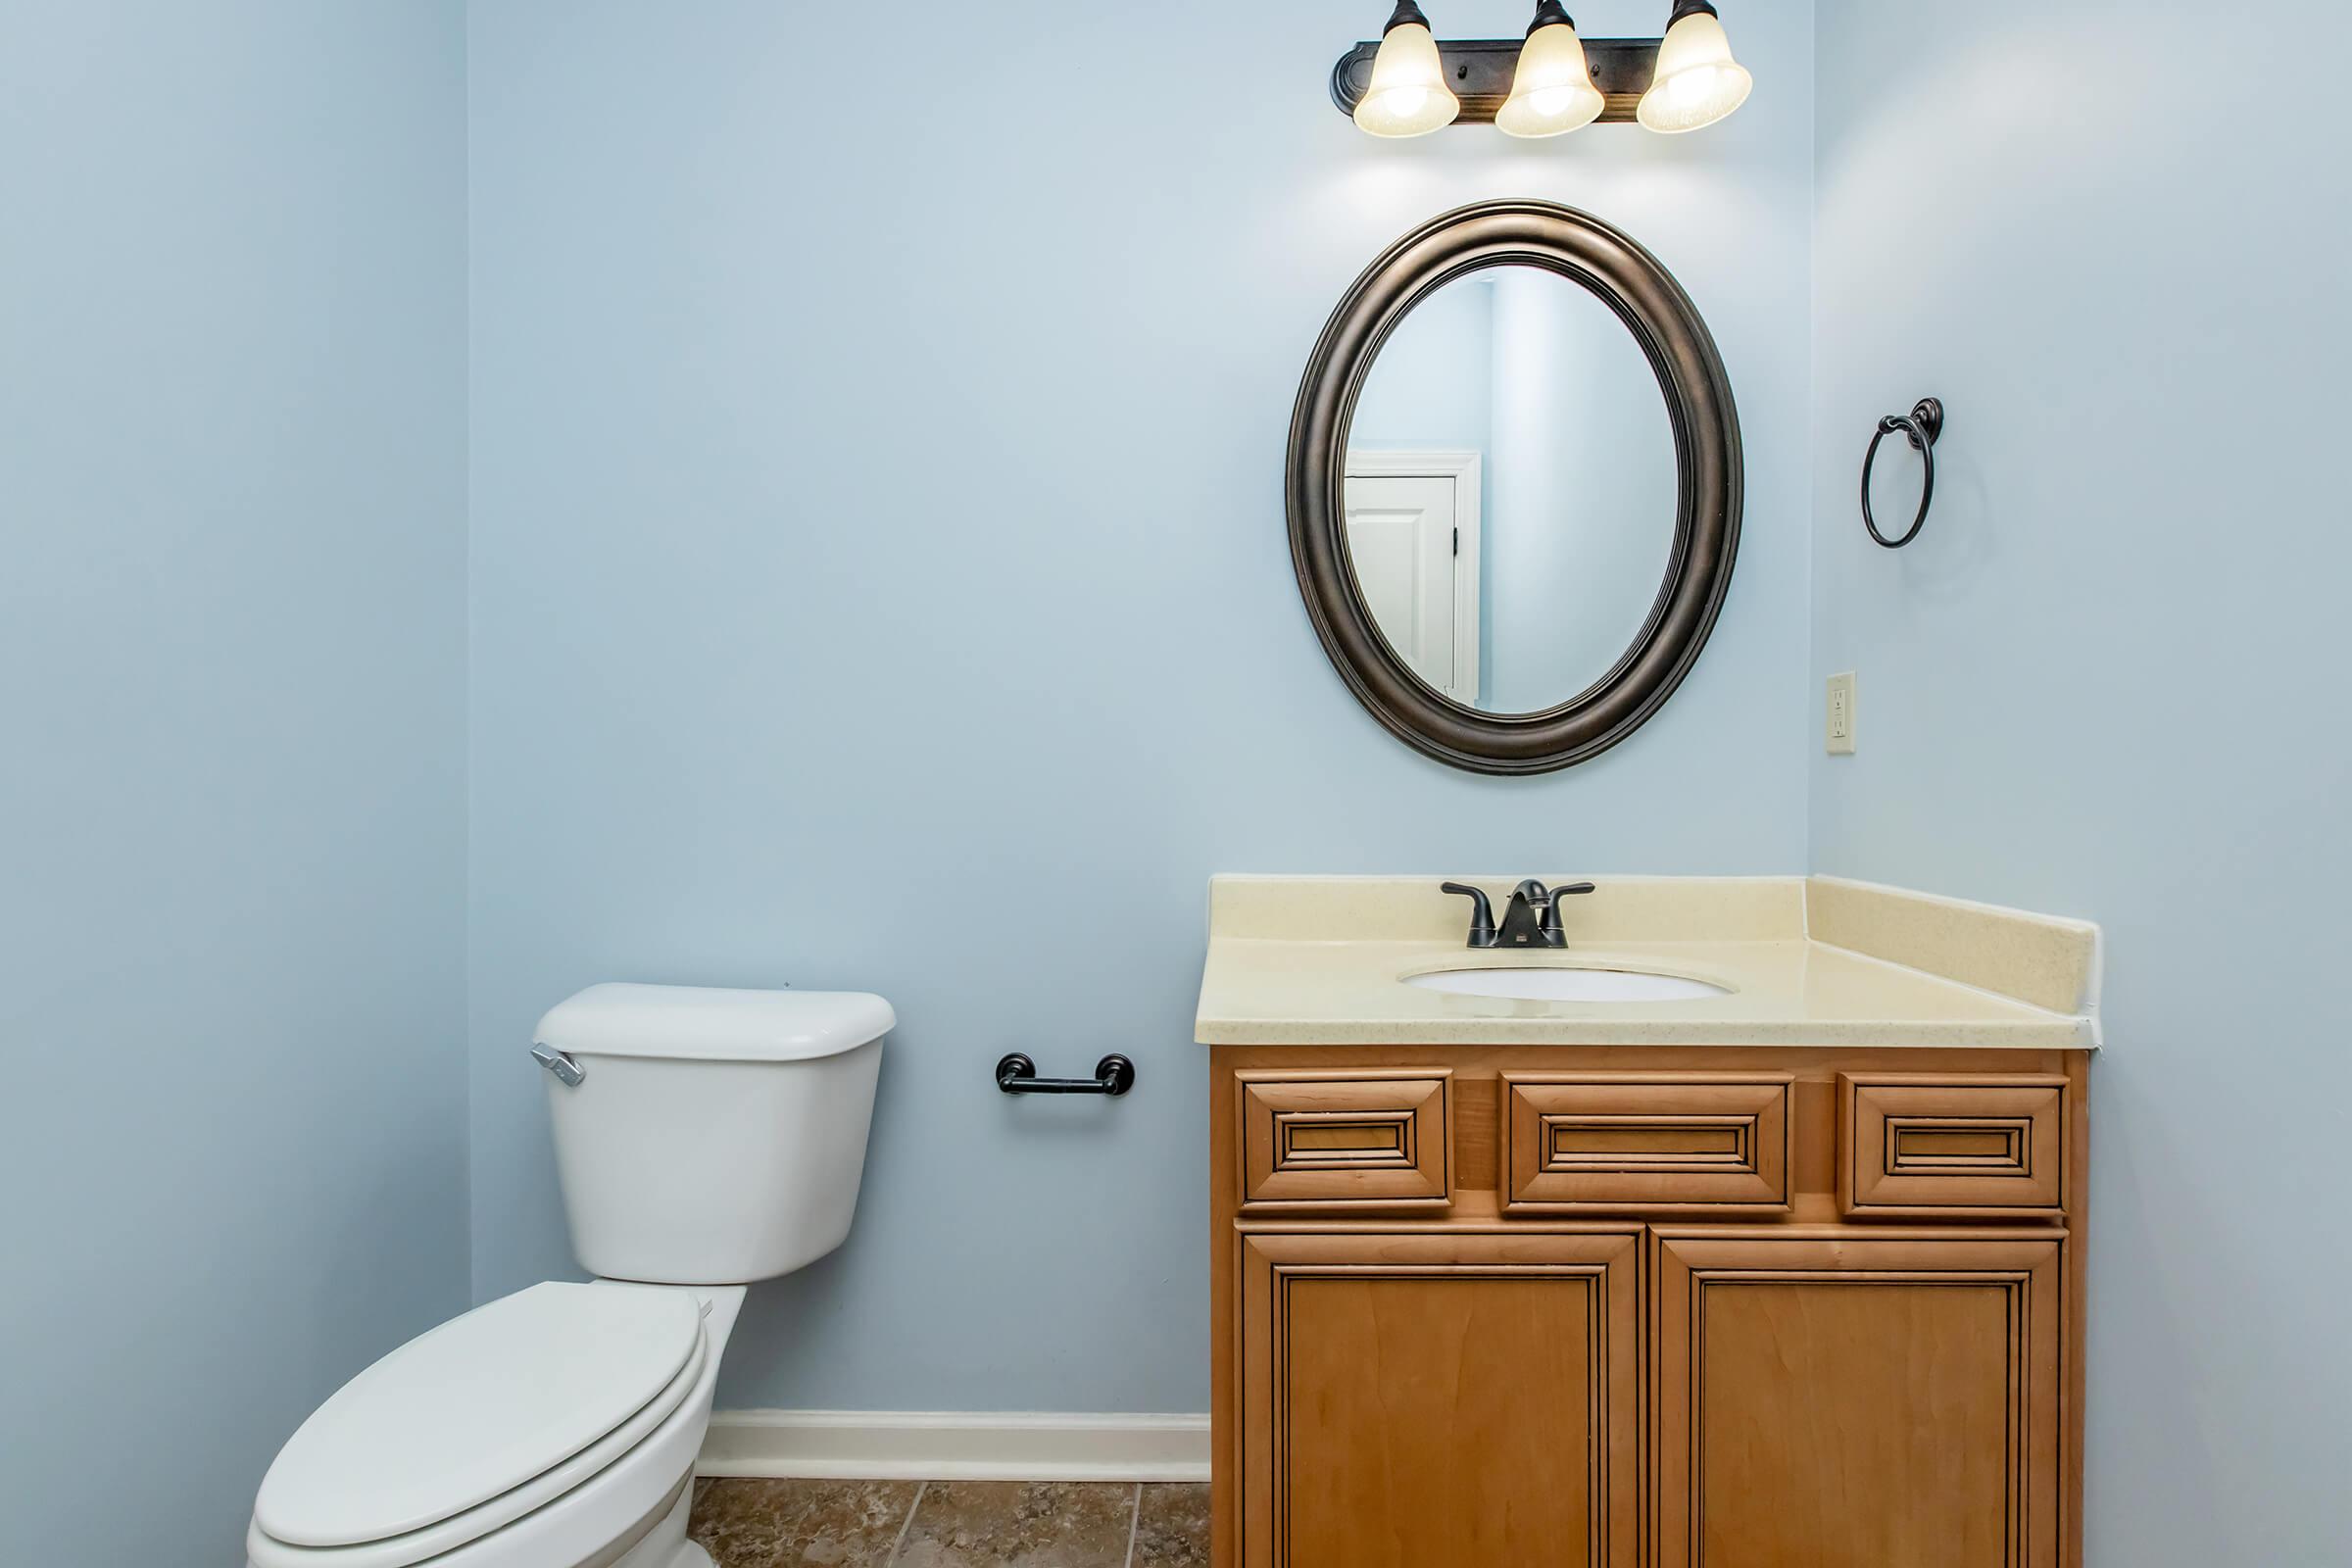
(1707, 459)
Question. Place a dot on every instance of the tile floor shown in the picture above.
(950, 1524)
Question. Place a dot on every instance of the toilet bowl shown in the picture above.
(704, 1139)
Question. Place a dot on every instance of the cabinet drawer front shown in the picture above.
(1358, 1139)
(1924, 1144)
(1630, 1142)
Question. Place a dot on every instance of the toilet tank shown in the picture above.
(712, 1137)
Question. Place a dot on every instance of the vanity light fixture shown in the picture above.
(1410, 84)
(1551, 90)
(1407, 95)
(1698, 81)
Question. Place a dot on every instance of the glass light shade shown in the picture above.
(1408, 95)
(1552, 90)
(1699, 82)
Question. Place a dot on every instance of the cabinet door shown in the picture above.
(1416, 1400)
(1854, 1400)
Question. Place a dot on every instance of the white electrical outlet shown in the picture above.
(1840, 726)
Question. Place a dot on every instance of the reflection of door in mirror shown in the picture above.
(1412, 535)
(1568, 527)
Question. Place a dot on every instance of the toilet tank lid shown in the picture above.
(705, 1023)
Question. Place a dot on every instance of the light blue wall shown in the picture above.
(2109, 679)
(1582, 495)
(880, 580)
(1433, 382)
(231, 664)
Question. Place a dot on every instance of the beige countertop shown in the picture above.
(1322, 961)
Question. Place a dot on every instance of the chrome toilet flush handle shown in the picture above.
(567, 1072)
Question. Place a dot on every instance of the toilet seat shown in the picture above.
(475, 1424)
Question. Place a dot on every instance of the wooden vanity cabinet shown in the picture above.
(1647, 1309)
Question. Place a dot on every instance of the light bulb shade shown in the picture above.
(1407, 95)
(1697, 82)
(1552, 91)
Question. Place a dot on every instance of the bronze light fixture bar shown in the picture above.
(1480, 71)
(1549, 84)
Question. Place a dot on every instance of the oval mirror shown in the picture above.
(1514, 487)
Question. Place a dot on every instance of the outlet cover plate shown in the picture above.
(1838, 725)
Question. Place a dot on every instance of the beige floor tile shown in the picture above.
(1019, 1524)
(790, 1524)
(1171, 1528)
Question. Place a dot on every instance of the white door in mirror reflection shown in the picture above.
(1530, 376)
(1412, 536)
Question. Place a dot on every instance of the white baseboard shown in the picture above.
(954, 1445)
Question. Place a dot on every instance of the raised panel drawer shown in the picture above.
(1620, 1143)
(1914, 1144)
(1352, 1140)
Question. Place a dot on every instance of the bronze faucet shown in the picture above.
(1530, 920)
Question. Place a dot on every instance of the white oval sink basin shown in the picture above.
(1567, 985)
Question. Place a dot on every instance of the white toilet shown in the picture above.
(704, 1139)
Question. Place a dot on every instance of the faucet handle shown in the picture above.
(1552, 934)
(1482, 914)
